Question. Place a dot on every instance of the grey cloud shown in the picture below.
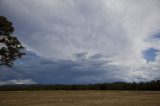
(60, 71)
(91, 29)
(157, 35)
(84, 41)
(40, 70)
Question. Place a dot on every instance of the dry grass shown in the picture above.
(79, 98)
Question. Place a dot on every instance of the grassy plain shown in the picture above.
(79, 98)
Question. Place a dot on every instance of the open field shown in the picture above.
(79, 98)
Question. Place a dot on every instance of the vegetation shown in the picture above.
(10, 46)
(80, 98)
(153, 85)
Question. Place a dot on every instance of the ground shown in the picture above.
(79, 98)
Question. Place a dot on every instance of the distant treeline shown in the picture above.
(152, 85)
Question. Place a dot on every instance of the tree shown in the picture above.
(10, 47)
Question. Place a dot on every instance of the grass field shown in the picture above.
(79, 98)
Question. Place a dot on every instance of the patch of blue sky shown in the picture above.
(150, 54)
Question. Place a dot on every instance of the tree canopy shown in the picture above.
(10, 47)
(145, 86)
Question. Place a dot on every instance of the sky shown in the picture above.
(84, 41)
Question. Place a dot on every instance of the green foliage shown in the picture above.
(10, 46)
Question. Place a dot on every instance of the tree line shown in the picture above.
(152, 85)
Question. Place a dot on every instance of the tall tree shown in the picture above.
(10, 47)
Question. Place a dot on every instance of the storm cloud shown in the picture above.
(79, 41)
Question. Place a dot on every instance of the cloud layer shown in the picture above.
(86, 41)
(9, 82)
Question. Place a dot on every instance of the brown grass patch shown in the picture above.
(79, 98)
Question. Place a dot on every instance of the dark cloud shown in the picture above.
(78, 41)
(42, 70)
(157, 35)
